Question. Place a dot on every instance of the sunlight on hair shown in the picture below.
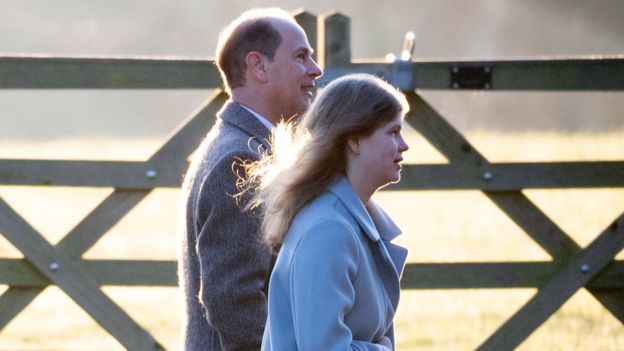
(287, 144)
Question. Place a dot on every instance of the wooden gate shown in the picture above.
(572, 267)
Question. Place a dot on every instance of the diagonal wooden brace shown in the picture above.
(577, 272)
(67, 275)
(516, 205)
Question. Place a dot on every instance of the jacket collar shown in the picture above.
(236, 115)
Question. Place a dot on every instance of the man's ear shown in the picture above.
(256, 65)
(353, 142)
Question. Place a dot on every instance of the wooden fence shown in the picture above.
(571, 268)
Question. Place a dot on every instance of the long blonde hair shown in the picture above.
(310, 154)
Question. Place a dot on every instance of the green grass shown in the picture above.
(439, 226)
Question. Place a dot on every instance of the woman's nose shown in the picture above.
(403, 145)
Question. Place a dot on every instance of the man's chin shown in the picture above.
(304, 107)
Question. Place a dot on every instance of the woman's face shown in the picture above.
(381, 153)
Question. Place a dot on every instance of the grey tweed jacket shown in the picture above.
(223, 264)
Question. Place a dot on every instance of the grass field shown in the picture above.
(439, 226)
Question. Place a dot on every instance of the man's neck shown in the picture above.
(252, 101)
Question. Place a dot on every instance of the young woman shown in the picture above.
(335, 284)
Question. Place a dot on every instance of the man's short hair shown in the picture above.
(251, 31)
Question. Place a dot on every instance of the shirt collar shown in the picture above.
(264, 121)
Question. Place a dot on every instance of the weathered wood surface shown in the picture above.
(73, 280)
(576, 273)
(450, 143)
(572, 267)
(168, 174)
(114, 207)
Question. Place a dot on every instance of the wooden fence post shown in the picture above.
(309, 23)
(335, 36)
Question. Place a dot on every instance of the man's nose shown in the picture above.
(314, 69)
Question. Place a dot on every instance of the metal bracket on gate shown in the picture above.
(471, 77)
(402, 75)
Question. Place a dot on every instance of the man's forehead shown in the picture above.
(290, 30)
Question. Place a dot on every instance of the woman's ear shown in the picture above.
(255, 62)
(353, 143)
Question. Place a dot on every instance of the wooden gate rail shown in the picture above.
(494, 176)
(55, 72)
(571, 269)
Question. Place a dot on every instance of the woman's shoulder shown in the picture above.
(326, 234)
(324, 215)
(326, 208)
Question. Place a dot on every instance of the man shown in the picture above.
(265, 61)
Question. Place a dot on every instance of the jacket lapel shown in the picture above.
(237, 116)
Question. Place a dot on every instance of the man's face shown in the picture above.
(292, 72)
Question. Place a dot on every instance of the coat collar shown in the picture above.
(236, 115)
(372, 218)
(345, 192)
(375, 223)
(386, 227)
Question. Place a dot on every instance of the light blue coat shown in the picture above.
(335, 285)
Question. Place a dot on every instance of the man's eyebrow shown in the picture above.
(306, 50)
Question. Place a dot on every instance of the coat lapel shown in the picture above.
(234, 114)
(388, 230)
(392, 256)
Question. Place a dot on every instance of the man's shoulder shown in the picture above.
(241, 124)
(230, 139)
(216, 154)
(224, 156)
(231, 143)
